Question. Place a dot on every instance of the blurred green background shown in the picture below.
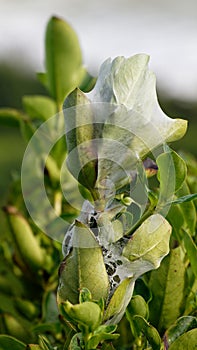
(14, 83)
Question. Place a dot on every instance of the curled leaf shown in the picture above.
(87, 314)
(149, 244)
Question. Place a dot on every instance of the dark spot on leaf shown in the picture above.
(116, 278)
(119, 262)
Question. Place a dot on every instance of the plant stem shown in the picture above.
(146, 215)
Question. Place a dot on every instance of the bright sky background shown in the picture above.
(166, 30)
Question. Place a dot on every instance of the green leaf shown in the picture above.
(88, 82)
(97, 338)
(26, 243)
(33, 347)
(167, 285)
(10, 116)
(171, 175)
(83, 268)
(27, 129)
(8, 342)
(46, 328)
(119, 301)
(63, 59)
(143, 252)
(75, 342)
(39, 107)
(80, 135)
(27, 308)
(181, 326)
(137, 306)
(185, 341)
(49, 307)
(176, 219)
(42, 78)
(105, 329)
(53, 169)
(87, 314)
(106, 346)
(149, 331)
(187, 198)
(188, 210)
(148, 245)
(191, 301)
(85, 295)
(191, 250)
(44, 343)
(141, 288)
(14, 327)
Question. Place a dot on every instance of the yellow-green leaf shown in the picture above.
(63, 59)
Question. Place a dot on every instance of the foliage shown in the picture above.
(130, 255)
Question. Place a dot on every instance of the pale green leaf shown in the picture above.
(129, 82)
(148, 245)
(119, 301)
